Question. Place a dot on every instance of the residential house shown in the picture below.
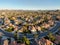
(33, 30)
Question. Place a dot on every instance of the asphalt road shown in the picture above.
(53, 30)
(41, 35)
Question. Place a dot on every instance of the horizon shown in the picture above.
(25, 9)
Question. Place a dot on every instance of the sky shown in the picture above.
(30, 4)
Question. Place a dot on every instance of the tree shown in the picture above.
(25, 30)
(0, 39)
(51, 37)
(15, 35)
(45, 19)
(35, 35)
(10, 29)
(26, 40)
